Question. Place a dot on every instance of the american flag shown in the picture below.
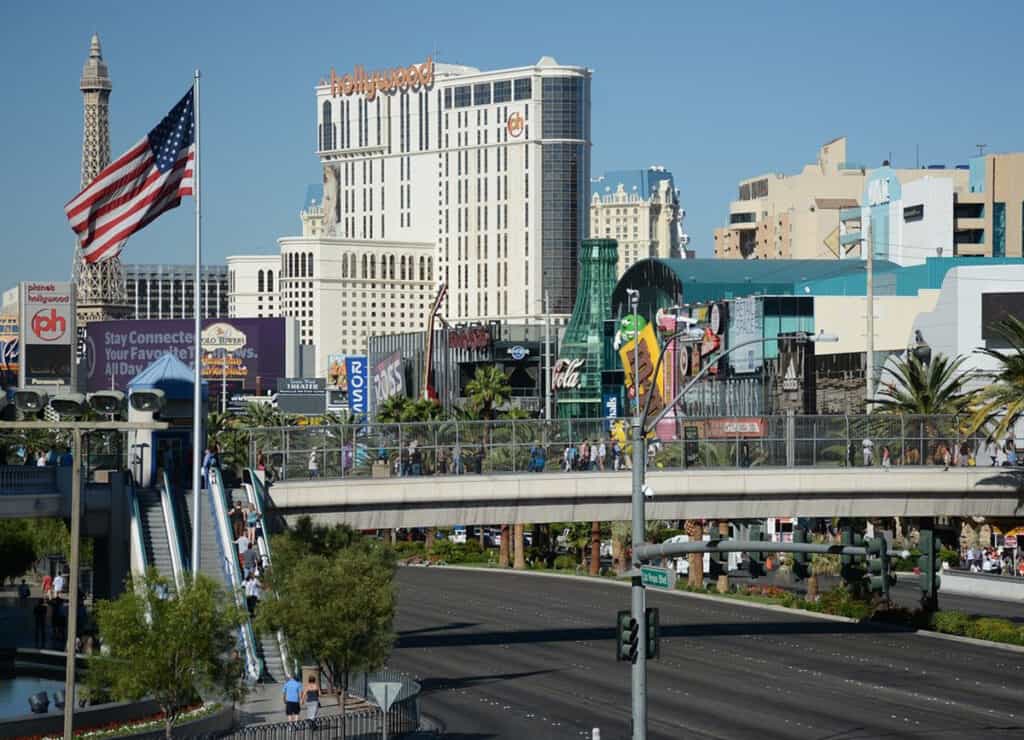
(138, 186)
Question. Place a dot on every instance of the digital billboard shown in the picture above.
(117, 351)
(47, 333)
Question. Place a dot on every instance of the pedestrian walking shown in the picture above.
(602, 452)
(261, 460)
(23, 592)
(252, 594)
(41, 459)
(58, 585)
(457, 460)
(252, 521)
(886, 457)
(311, 698)
(237, 517)
(869, 451)
(242, 543)
(249, 561)
(313, 465)
(47, 587)
(291, 694)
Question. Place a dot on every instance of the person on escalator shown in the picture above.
(237, 517)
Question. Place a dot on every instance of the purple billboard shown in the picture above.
(117, 351)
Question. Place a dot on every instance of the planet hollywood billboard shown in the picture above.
(47, 334)
(117, 351)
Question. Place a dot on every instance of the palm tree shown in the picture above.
(1002, 401)
(390, 410)
(488, 390)
(933, 389)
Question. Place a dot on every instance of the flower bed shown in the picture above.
(153, 723)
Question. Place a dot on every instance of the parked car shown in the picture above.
(458, 535)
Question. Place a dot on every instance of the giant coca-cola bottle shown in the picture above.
(576, 375)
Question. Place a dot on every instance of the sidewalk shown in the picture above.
(265, 704)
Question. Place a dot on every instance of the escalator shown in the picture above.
(273, 647)
(155, 541)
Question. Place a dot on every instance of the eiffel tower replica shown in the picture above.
(99, 288)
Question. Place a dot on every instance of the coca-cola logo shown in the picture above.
(48, 325)
(565, 375)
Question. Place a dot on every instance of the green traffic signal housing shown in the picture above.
(930, 565)
(653, 635)
(627, 637)
(880, 576)
(756, 559)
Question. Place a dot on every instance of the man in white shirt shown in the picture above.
(869, 451)
(58, 584)
(242, 543)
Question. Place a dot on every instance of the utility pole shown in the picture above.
(547, 356)
(638, 603)
(76, 527)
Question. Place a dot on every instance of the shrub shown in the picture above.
(997, 630)
(405, 549)
(951, 623)
(952, 557)
(907, 564)
(565, 562)
(842, 603)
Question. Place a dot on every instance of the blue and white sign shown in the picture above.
(358, 372)
(610, 404)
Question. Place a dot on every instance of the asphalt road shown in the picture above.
(508, 655)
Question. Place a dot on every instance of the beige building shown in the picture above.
(989, 213)
(639, 209)
(253, 281)
(779, 216)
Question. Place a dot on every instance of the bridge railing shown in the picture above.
(457, 447)
(26, 479)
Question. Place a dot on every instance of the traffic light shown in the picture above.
(627, 637)
(653, 632)
(756, 558)
(850, 569)
(880, 577)
(800, 559)
(930, 566)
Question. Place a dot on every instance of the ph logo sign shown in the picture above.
(48, 325)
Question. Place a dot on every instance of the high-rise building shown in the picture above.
(485, 173)
(253, 281)
(640, 210)
(167, 291)
(99, 287)
(799, 216)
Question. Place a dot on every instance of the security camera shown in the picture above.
(68, 404)
(107, 402)
(151, 400)
(647, 491)
(30, 401)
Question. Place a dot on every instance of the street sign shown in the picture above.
(1010, 541)
(657, 577)
(385, 692)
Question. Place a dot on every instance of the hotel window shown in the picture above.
(502, 91)
(463, 96)
(259, 281)
(524, 88)
(482, 94)
(448, 98)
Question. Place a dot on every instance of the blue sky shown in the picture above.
(714, 91)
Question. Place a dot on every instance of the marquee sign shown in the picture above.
(515, 125)
(471, 337)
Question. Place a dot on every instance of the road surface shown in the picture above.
(509, 655)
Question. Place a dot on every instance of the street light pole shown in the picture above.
(640, 427)
(73, 585)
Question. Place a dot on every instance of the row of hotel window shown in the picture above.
(298, 264)
(485, 93)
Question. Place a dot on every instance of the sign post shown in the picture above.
(658, 577)
(385, 692)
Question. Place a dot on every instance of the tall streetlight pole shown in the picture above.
(640, 427)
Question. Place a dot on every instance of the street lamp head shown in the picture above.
(71, 405)
(107, 402)
(29, 400)
(821, 336)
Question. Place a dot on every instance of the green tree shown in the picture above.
(172, 649)
(336, 609)
(916, 388)
(390, 410)
(17, 548)
(1001, 403)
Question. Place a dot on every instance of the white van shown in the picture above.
(458, 535)
(682, 563)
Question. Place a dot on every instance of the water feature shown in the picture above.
(15, 691)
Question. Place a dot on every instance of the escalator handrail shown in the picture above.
(256, 494)
(137, 534)
(178, 562)
(229, 556)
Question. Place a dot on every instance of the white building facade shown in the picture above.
(253, 282)
(485, 172)
(166, 291)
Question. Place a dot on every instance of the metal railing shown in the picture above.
(178, 563)
(523, 446)
(27, 479)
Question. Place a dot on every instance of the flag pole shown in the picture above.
(197, 402)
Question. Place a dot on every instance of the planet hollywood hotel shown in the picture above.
(488, 171)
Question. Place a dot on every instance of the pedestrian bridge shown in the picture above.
(745, 493)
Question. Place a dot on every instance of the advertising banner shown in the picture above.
(47, 333)
(337, 372)
(388, 378)
(746, 324)
(302, 395)
(357, 370)
(646, 356)
(9, 350)
(117, 351)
